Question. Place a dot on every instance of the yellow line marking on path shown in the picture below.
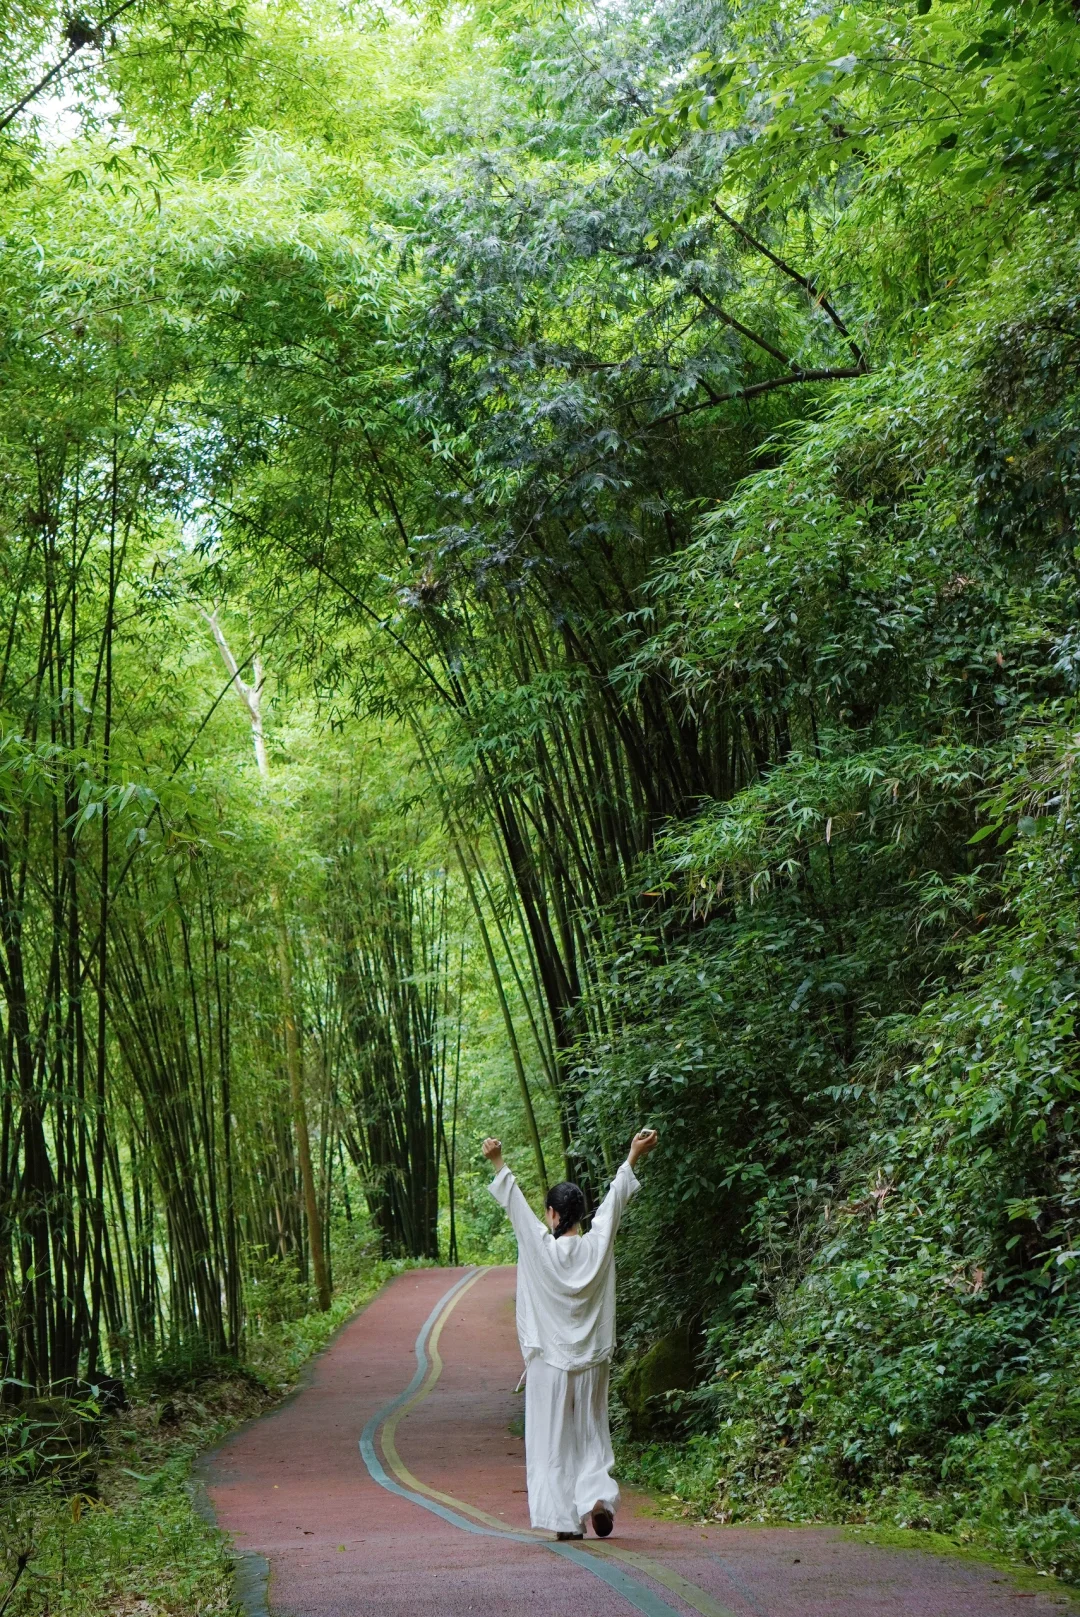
(696, 1598)
(389, 1431)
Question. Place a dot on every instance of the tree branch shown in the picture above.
(737, 325)
(841, 374)
(807, 284)
(250, 695)
(87, 36)
(20, 1568)
(320, 567)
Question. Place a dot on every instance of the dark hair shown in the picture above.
(568, 1203)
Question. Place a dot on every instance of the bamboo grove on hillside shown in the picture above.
(538, 575)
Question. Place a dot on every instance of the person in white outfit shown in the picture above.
(566, 1327)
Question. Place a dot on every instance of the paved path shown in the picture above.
(380, 1492)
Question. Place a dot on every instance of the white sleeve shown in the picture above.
(609, 1214)
(504, 1188)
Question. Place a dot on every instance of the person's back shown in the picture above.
(566, 1327)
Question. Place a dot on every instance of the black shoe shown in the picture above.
(562, 1536)
(603, 1521)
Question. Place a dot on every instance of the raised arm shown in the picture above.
(624, 1185)
(504, 1188)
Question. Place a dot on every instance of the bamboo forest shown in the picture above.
(540, 597)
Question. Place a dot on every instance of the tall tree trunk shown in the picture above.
(251, 696)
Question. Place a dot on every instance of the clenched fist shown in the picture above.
(492, 1149)
(640, 1145)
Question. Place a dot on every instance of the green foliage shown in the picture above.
(48, 1437)
(913, 137)
(91, 1557)
(874, 1084)
(642, 446)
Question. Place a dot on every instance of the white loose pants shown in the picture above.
(568, 1455)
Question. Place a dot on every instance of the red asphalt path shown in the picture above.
(299, 1474)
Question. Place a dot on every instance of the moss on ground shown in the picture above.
(929, 1543)
(682, 1483)
(668, 1366)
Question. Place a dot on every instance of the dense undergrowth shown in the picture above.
(874, 977)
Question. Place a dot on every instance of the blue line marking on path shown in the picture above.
(635, 1594)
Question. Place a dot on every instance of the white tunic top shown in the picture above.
(566, 1287)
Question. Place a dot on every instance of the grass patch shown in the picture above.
(691, 1480)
